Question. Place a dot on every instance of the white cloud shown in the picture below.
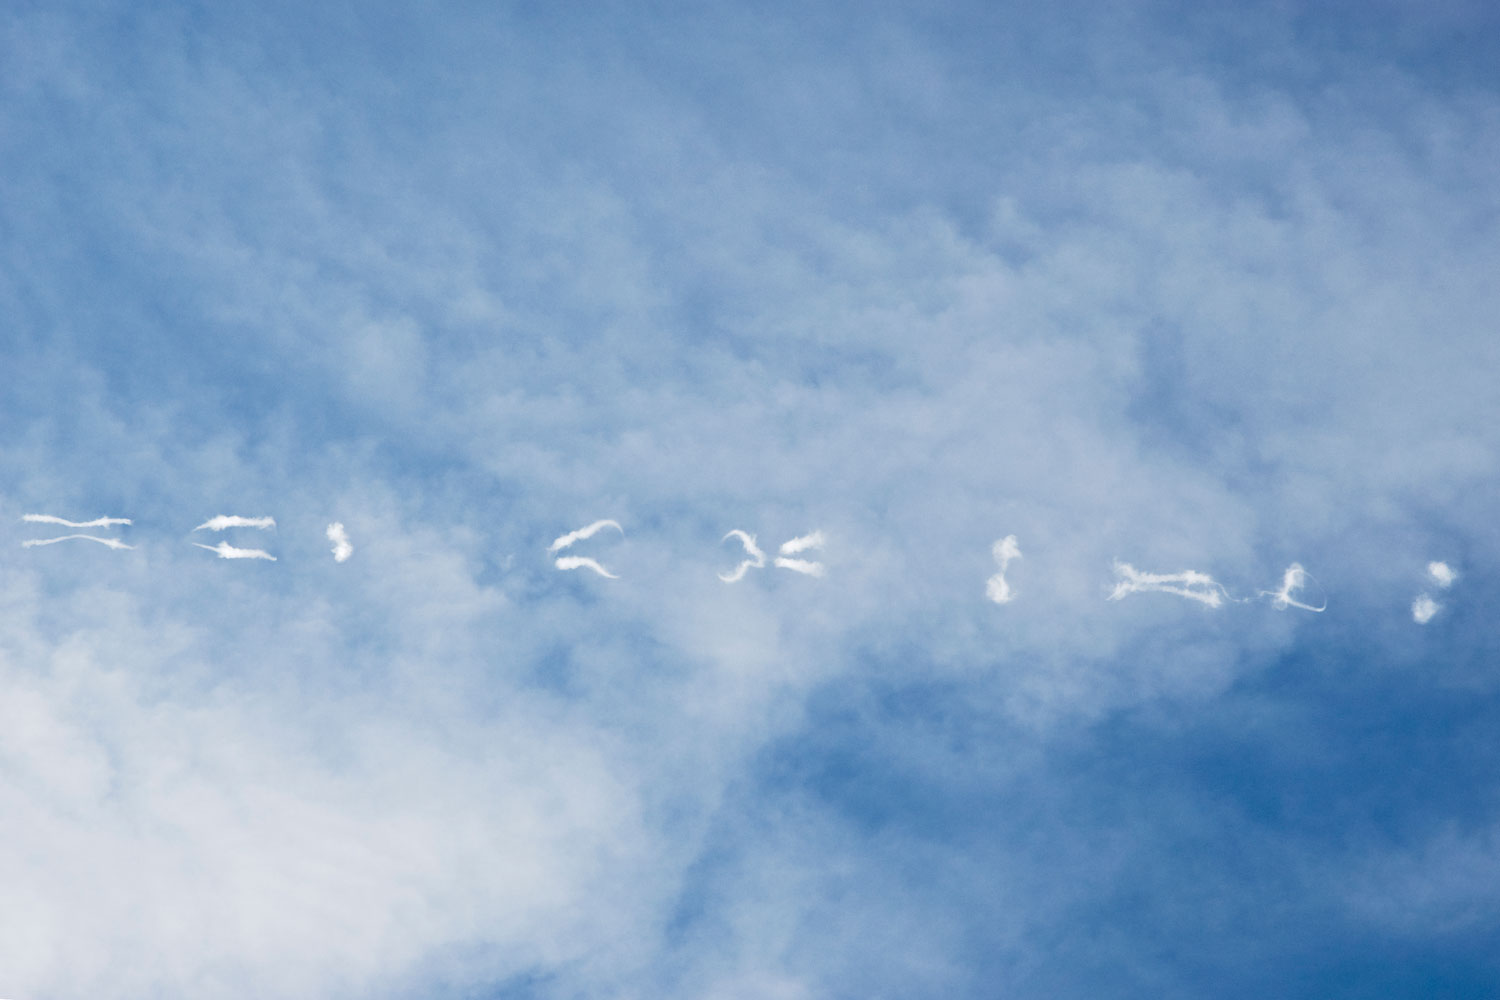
(1423, 609)
(1441, 574)
(113, 543)
(583, 562)
(226, 521)
(342, 549)
(98, 522)
(1191, 584)
(226, 551)
(801, 543)
(1292, 581)
(996, 588)
(588, 531)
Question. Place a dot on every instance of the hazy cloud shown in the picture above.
(342, 549)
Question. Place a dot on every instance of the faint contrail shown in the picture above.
(583, 562)
(756, 561)
(1191, 584)
(586, 532)
(1423, 608)
(1442, 574)
(340, 538)
(996, 589)
(224, 521)
(1292, 580)
(113, 543)
(227, 551)
(801, 544)
(98, 522)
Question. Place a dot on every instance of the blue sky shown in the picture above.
(1182, 288)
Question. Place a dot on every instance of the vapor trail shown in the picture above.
(1191, 584)
(588, 531)
(801, 544)
(227, 551)
(224, 521)
(583, 562)
(1292, 580)
(340, 538)
(996, 589)
(98, 522)
(113, 543)
(756, 561)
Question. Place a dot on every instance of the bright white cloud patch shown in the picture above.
(342, 549)
(1423, 609)
(1292, 582)
(113, 543)
(1441, 574)
(226, 521)
(1189, 583)
(756, 560)
(802, 543)
(98, 522)
(226, 551)
(996, 588)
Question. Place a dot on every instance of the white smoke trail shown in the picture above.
(224, 521)
(1442, 574)
(996, 589)
(1191, 584)
(1423, 608)
(227, 551)
(756, 561)
(113, 543)
(340, 538)
(801, 544)
(98, 522)
(1293, 580)
(588, 531)
(583, 562)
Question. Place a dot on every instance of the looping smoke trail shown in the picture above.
(756, 561)
(1191, 584)
(996, 589)
(227, 551)
(98, 522)
(113, 543)
(1292, 580)
(1423, 608)
(340, 538)
(224, 521)
(583, 562)
(588, 531)
(801, 544)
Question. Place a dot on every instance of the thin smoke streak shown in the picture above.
(588, 531)
(226, 551)
(98, 522)
(342, 549)
(113, 543)
(1293, 580)
(225, 521)
(756, 561)
(802, 566)
(583, 562)
(1191, 584)
(814, 540)
(802, 543)
(996, 588)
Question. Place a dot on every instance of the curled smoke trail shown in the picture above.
(1423, 608)
(588, 531)
(756, 561)
(227, 551)
(224, 521)
(996, 589)
(1293, 580)
(98, 522)
(801, 544)
(342, 550)
(1191, 584)
(1442, 574)
(583, 562)
(113, 543)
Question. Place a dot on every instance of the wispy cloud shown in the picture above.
(1189, 583)
(802, 543)
(756, 561)
(226, 521)
(113, 543)
(98, 522)
(588, 531)
(342, 549)
(583, 562)
(227, 551)
(996, 588)
(1292, 581)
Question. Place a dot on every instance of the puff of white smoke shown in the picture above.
(98, 522)
(1293, 580)
(801, 543)
(756, 561)
(996, 588)
(1423, 608)
(588, 531)
(113, 543)
(1191, 584)
(226, 521)
(583, 562)
(1442, 574)
(227, 551)
(340, 538)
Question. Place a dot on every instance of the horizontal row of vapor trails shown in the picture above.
(1189, 584)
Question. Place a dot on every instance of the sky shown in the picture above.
(1144, 288)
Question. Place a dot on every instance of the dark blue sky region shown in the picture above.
(1178, 287)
